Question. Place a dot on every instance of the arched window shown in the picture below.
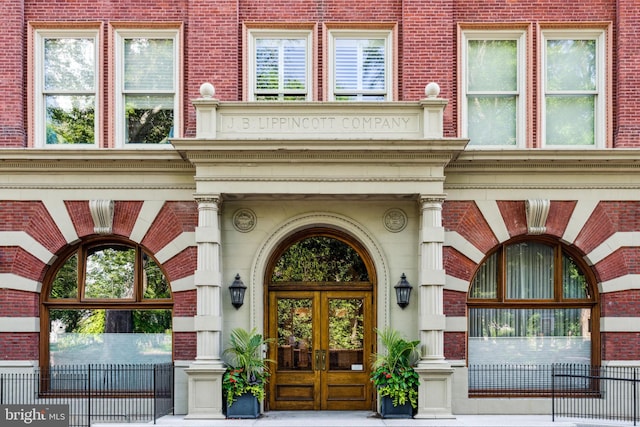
(532, 303)
(106, 301)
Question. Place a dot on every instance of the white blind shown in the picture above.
(360, 66)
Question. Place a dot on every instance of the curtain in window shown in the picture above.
(571, 75)
(492, 90)
(529, 271)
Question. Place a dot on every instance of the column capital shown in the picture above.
(215, 199)
(431, 199)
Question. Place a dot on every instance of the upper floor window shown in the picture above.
(66, 82)
(573, 86)
(494, 93)
(567, 88)
(360, 65)
(147, 80)
(279, 65)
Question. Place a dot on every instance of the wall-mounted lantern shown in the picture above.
(237, 289)
(403, 291)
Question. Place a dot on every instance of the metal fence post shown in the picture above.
(553, 393)
(89, 396)
(155, 393)
(635, 397)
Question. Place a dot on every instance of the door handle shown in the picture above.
(320, 357)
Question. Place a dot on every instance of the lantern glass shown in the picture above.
(403, 291)
(237, 290)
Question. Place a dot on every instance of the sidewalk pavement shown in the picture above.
(370, 419)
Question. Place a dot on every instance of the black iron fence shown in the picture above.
(600, 392)
(95, 393)
(510, 380)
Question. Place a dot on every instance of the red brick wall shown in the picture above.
(16, 260)
(455, 303)
(559, 215)
(33, 218)
(173, 219)
(620, 345)
(465, 218)
(514, 215)
(184, 345)
(19, 303)
(455, 345)
(458, 265)
(125, 215)
(19, 345)
(12, 130)
(620, 304)
(185, 303)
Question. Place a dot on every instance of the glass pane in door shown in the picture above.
(295, 333)
(346, 334)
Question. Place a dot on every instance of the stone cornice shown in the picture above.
(30, 160)
(546, 161)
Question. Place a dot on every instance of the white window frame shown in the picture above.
(368, 34)
(254, 34)
(119, 94)
(520, 36)
(600, 130)
(39, 114)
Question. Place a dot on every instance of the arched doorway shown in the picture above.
(320, 299)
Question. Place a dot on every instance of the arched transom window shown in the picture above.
(532, 302)
(106, 301)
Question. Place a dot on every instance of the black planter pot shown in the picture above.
(387, 410)
(245, 406)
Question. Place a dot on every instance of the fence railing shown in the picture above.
(510, 380)
(95, 393)
(600, 392)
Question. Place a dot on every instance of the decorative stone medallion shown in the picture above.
(244, 220)
(395, 220)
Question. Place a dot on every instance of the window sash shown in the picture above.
(147, 81)
(66, 99)
(573, 85)
(360, 68)
(281, 68)
(493, 89)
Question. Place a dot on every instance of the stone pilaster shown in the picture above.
(434, 400)
(205, 374)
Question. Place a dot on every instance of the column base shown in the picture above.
(434, 394)
(205, 391)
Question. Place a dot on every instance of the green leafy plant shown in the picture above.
(392, 372)
(247, 371)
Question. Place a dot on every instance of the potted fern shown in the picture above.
(243, 383)
(393, 375)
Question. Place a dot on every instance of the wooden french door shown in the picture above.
(322, 347)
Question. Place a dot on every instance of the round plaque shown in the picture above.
(395, 220)
(244, 220)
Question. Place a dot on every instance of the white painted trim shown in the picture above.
(493, 216)
(622, 283)
(619, 324)
(184, 324)
(147, 214)
(456, 284)
(19, 283)
(60, 215)
(579, 217)
(612, 244)
(28, 243)
(456, 241)
(177, 245)
(455, 324)
(19, 324)
(184, 284)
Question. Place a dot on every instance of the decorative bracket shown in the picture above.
(102, 214)
(537, 212)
